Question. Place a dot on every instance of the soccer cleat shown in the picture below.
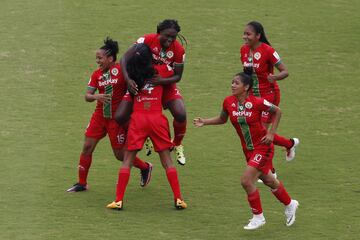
(115, 205)
(290, 211)
(146, 175)
(149, 148)
(77, 187)
(290, 153)
(255, 222)
(273, 173)
(180, 157)
(180, 204)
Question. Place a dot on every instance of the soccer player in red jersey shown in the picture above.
(109, 82)
(147, 120)
(245, 113)
(166, 50)
(258, 57)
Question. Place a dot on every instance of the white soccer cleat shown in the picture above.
(180, 157)
(290, 211)
(256, 222)
(290, 153)
(274, 174)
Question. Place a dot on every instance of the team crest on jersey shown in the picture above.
(156, 49)
(114, 71)
(170, 54)
(257, 55)
(233, 105)
(248, 105)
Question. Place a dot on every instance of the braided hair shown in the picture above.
(259, 29)
(111, 48)
(139, 66)
(171, 23)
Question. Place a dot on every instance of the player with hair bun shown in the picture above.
(166, 50)
(109, 82)
(147, 121)
(245, 113)
(259, 59)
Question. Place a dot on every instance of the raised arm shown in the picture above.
(123, 62)
(199, 122)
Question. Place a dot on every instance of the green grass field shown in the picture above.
(46, 58)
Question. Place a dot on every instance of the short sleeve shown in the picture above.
(224, 109)
(146, 39)
(265, 105)
(179, 57)
(275, 58)
(93, 83)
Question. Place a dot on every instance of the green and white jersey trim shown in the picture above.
(245, 129)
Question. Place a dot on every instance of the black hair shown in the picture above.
(246, 79)
(111, 48)
(168, 23)
(259, 29)
(139, 66)
(171, 23)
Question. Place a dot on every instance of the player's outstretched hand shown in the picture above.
(199, 122)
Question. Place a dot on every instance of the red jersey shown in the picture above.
(246, 119)
(111, 82)
(149, 98)
(262, 60)
(174, 54)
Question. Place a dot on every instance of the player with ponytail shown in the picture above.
(259, 59)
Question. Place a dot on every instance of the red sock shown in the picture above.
(138, 163)
(83, 169)
(179, 132)
(123, 179)
(255, 202)
(282, 141)
(281, 194)
(172, 177)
